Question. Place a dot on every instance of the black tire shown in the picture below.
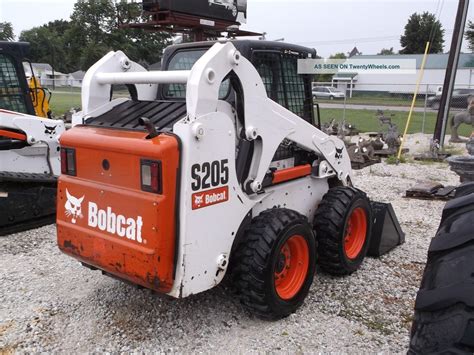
(444, 307)
(256, 262)
(331, 222)
(464, 189)
(435, 105)
(331, 97)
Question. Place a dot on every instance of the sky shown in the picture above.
(330, 26)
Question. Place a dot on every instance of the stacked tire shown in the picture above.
(444, 308)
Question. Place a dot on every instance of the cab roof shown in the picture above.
(246, 46)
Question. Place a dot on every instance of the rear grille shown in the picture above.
(163, 114)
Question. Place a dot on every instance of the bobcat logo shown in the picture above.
(338, 155)
(73, 207)
(198, 200)
(51, 130)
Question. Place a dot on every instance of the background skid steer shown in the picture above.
(29, 146)
(214, 165)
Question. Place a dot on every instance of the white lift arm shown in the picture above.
(41, 154)
(266, 122)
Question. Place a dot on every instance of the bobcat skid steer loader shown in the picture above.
(213, 166)
(29, 146)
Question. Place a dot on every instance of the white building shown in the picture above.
(44, 73)
(433, 77)
(75, 79)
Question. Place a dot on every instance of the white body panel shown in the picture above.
(203, 244)
(207, 234)
(208, 134)
(42, 156)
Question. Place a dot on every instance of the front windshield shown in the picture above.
(184, 60)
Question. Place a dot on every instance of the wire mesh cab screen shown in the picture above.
(184, 60)
(12, 96)
(283, 84)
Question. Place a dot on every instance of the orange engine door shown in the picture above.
(105, 218)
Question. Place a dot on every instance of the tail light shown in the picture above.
(151, 175)
(68, 161)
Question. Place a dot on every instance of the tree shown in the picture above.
(97, 27)
(6, 32)
(47, 45)
(141, 45)
(96, 19)
(469, 35)
(339, 55)
(419, 30)
(386, 51)
(94, 29)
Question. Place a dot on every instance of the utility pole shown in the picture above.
(52, 67)
(450, 77)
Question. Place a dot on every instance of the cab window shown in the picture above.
(184, 60)
(283, 83)
(11, 94)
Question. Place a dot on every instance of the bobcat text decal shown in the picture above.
(107, 220)
(205, 176)
(104, 219)
(210, 197)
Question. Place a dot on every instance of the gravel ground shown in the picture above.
(51, 303)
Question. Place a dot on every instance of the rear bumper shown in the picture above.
(104, 217)
(99, 251)
(143, 255)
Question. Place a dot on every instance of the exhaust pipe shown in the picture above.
(152, 132)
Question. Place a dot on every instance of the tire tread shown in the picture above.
(329, 218)
(447, 324)
(252, 255)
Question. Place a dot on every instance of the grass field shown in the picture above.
(375, 100)
(61, 102)
(366, 121)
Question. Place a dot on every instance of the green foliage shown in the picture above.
(366, 121)
(392, 160)
(91, 53)
(63, 101)
(339, 55)
(386, 51)
(48, 44)
(6, 32)
(418, 31)
(469, 35)
(93, 30)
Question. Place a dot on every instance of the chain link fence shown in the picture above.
(361, 104)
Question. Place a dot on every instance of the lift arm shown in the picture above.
(266, 122)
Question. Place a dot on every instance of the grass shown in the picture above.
(366, 121)
(453, 150)
(392, 160)
(61, 102)
(375, 100)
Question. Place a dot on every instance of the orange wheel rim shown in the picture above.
(355, 233)
(291, 267)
